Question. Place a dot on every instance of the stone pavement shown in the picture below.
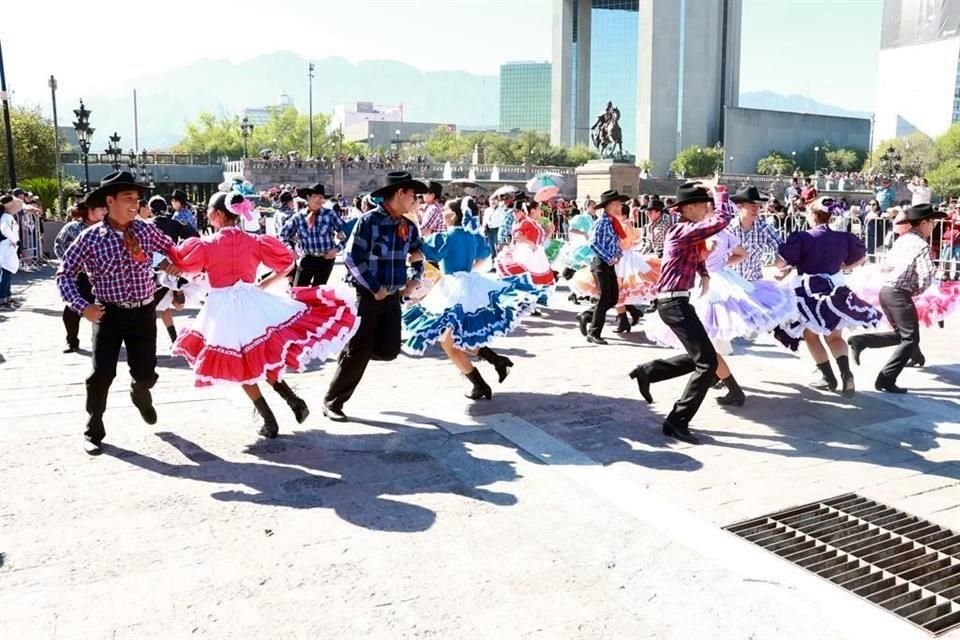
(556, 510)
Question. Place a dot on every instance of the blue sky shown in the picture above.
(825, 49)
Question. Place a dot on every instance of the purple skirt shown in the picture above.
(825, 304)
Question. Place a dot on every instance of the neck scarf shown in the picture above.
(130, 241)
(403, 225)
(617, 226)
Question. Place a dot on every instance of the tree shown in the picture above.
(697, 162)
(948, 145)
(844, 159)
(918, 155)
(582, 154)
(945, 179)
(33, 147)
(775, 163)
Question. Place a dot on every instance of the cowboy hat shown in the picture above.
(923, 212)
(317, 189)
(691, 193)
(609, 196)
(749, 194)
(113, 183)
(397, 180)
(435, 188)
(179, 194)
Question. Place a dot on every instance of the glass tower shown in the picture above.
(525, 96)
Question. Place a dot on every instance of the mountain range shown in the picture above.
(168, 100)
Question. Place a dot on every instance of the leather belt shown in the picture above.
(128, 305)
(669, 295)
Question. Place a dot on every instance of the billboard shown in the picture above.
(908, 22)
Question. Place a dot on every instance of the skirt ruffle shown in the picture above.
(475, 308)
(825, 304)
(246, 335)
(575, 254)
(518, 259)
(934, 305)
(733, 308)
(637, 276)
(194, 291)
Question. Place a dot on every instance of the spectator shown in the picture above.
(9, 248)
(921, 192)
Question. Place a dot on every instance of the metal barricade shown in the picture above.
(31, 242)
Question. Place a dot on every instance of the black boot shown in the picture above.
(480, 388)
(501, 363)
(142, 399)
(856, 347)
(295, 402)
(270, 427)
(567, 274)
(172, 332)
(573, 298)
(917, 359)
(847, 388)
(624, 324)
(583, 319)
(734, 395)
(827, 381)
(635, 314)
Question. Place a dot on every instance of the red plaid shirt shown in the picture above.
(684, 244)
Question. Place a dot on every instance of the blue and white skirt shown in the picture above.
(474, 307)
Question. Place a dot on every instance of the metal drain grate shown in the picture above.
(906, 565)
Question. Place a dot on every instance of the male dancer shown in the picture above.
(507, 218)
(755, 235)
(376, 261)
(115, 255)
(319, 237)
(682, 261)
(910, 271)
(431, 213)
(181, 208)
(605, 242)
(178, 232)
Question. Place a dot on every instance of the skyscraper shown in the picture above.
(525, 96)
(671, 66)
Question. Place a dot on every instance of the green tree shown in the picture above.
(844, 159)
(209, 134)
(33, 146)
(775, 163)
(697, 162)
(948, 145)
(945, 179)
(581, 154)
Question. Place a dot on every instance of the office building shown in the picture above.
(525, 96)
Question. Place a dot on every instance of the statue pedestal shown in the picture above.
(598, 176)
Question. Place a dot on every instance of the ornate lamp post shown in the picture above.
(114, 151)
(891, 161)
(816, 158)
(84, 133)
(246, 128)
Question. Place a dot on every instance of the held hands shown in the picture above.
(380, 294)
(330, 255)
(169, 267)
(93, 313)
(409, 288)
(704, 285)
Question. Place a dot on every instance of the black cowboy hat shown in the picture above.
(691, 193)
(609, 196)
(93, 201)
(317, 189)
(399, 180)
(656, 204)
(179, 194)
(285, 197)
(114, 183)
(923, 212)
(748, 194)
(435, 188)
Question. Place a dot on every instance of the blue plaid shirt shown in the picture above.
(315, 240)
(376, 256)
(187, 217)
(505, 233)
(604, 241)
(69, 233)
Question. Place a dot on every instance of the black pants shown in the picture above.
(897, 305)
(378, 338)
(701, 358)
(136, 329)
(606, 279)
(71, 319)
(313, 271)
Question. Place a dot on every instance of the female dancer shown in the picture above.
(826, 305)
(732, 307)
(526, 255)
(85, 214)
(465, 311)
(244, 334)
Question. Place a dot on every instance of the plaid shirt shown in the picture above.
(911, 267)
(187, 217)
(315, 240)
(114, 274)
(756, 240)
(376, 256)
(505, 233)
(604, 240)
(657, 234)
(683, 248)
(431, 219)
(70, 232)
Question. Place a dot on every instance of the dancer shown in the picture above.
(376, 260)
(507, 217)
(172, 291)
(466, 310)
(732, 307)
(657, 227)
(755, 236)
(181, 209)
(605, 243)
(115, 256)
(826, 305)
(244, 334)
(85, 213)
(318, 236)
(431, 216)
(908, 271)
(682, 261)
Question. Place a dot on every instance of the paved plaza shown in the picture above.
(556, 510)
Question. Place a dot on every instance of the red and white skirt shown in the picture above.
(245, 335)
(521, 258)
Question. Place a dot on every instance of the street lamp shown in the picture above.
(246, 128)
(84, 133)
(816, 158)
(891, 161)
(52, 83)
(310, 108)
(114, 151)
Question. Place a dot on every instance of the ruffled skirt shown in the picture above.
(825, 304)
(938, 301)
(474, 307)
(523, 258)
(637, 276)
(246, 335)
(733, 308)
(194, 291)
(575, 254)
